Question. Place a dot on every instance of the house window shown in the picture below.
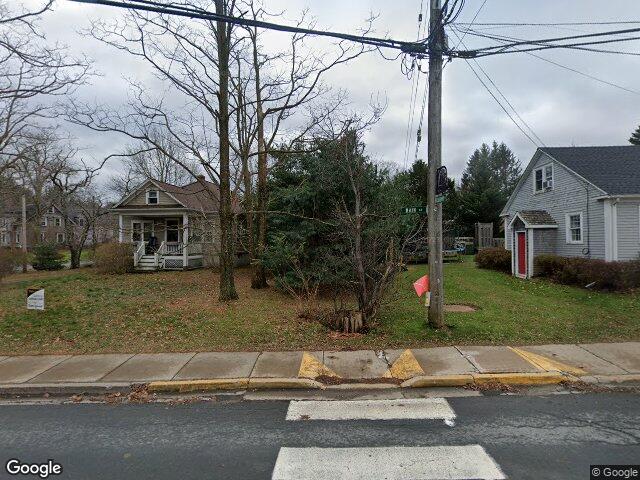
(173, 230)
(52, 209)
(60, 237)
(3, 238)
(17, 237)
(43, 223)
(574, 227)
(543, 178)
(42, 236)
(57, 221)
(152, 197)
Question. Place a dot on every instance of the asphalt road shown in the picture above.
(528, 437)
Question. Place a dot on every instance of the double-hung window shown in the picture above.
(152, 197)
(574, 227)
(543, 178)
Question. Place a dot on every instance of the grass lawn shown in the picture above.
(179, 311)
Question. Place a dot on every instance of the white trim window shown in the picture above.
(3, 239)
(543, 178)
(152, 197)
(60, 237)
(574, 228)
(43, 223)
(57, 221)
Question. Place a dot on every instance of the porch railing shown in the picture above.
(159, 255)
(139, 253)
(173, 248)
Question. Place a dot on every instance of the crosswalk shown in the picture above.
(442, 462)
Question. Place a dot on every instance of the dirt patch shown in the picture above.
(460, 308)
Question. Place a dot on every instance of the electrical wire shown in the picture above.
(470, 24)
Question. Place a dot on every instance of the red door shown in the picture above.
(522, 253)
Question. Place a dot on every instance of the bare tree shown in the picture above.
(286, 82)
(142, 162)
(32, 76)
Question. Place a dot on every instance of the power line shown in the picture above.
(416, 48)
(505, 99)
(545, 46)
(547, 24)
(470, 24)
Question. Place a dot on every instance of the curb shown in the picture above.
(438, 381)
(183, 386)
(542, 378)
(610, 379)
(64, 388)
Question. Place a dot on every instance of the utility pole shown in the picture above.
(434, 155)
(24, 233)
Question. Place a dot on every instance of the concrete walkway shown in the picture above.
(440, 366)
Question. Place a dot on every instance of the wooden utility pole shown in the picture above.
(434, 155)
(24, 233)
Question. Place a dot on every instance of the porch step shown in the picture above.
(146, 263)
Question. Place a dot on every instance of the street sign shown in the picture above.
(408, 210)
(439, 198)
(35, 298)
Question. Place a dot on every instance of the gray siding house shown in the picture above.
(575, 202)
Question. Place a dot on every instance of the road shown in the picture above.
(519, 437)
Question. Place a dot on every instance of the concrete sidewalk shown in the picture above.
(422, 367)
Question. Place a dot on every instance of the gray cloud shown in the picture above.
(562, 107)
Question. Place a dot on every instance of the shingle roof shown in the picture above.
(616, 170)
(536, 217)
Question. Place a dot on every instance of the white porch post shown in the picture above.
(185, 240)
(120, 229)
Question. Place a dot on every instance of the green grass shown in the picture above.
(179, 311)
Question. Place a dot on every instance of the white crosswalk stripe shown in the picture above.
(389, 463)
(408, 409)
(385, 463)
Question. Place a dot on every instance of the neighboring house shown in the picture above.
(575, 202)
(48, 228)
(172, 227)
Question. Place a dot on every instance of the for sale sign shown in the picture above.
(35, 298)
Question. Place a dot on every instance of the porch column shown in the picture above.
(185, 240)
(120, 229)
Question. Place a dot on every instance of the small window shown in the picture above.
(80, 221)
(3, 238)
(43, 223)
(152, 197)
(543, 179)
(60, 237)
(574, 227)
(52, 209)
(17, 237)
(42, 237)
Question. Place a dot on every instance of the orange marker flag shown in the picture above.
(421, 285)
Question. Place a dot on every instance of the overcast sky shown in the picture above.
(562, 107)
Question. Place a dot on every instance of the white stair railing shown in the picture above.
(159, 255)
(139, 253)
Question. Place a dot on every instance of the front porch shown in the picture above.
(162, 241)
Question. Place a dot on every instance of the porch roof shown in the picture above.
(535, 219)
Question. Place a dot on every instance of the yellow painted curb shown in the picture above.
(284, 383)
(548, 364)
(311, 367)
(406, 366)
(542, 378)
(438, 381)
(199, 385)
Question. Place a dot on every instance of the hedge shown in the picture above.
(114, 258)
(585, 272)
(495, 258)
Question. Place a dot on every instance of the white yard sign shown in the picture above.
(35, 299)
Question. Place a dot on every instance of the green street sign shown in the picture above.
(439, 198)
(408, 210)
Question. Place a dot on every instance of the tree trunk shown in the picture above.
(259, 277)
(76, 253)
(227, 244)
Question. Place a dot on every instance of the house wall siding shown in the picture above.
(570, 194)
(628, 220)
(141, 198)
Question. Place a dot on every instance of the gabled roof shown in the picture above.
(535, 219)
(616, 170)
(201, 195)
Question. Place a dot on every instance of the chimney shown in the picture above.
(200, 178)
